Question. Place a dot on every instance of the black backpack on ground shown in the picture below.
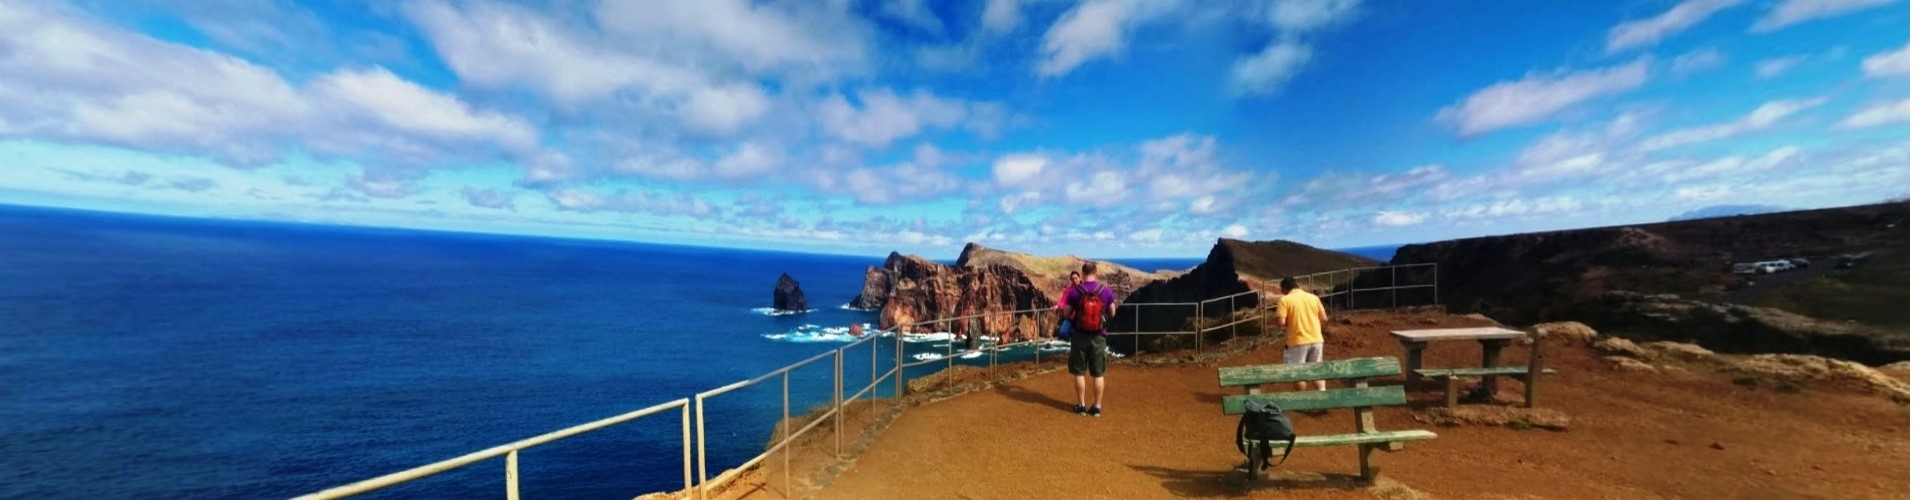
(1263, 422)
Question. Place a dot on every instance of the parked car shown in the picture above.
(1773, 266)
(1745, 268)
(1800, 263)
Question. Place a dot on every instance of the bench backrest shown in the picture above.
(1357, 397)
(1300, 372)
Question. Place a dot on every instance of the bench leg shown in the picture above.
(1453, 392)
(1367, 471)
(1530, 381)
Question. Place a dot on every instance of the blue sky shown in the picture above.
(1114, 128)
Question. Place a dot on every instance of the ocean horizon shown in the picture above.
(218, 358)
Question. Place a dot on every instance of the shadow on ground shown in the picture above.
(1228, 482)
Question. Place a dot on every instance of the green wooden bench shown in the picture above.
(1359, 397)
(1452, 378)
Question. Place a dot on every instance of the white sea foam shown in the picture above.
(768, 311)
(926, 356)
(930, 337)
(849, 307)
(971, 355)
(809, 333)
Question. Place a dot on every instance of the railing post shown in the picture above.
(839, 397)
(873, 379)
(1393, 288)
(899, 366)
(686, 449)
(700, 431)
(513, 475)
(1435, 286)
(1199, 328)
(786, 433)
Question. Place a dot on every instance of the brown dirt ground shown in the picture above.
(1668, 434)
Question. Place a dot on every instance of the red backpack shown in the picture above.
(1091, 310)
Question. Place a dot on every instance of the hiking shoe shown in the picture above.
(1095, 411)
(1080, 409)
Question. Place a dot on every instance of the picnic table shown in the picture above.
(1492, 341)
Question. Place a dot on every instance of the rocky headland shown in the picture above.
(1674, 281)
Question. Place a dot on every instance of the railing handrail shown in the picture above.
(695, 404)
(497, 451)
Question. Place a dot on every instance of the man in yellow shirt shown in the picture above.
(1301, 314)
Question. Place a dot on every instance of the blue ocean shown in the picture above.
(168, 357)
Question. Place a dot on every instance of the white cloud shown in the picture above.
(1391, 218)
(624, 201)
(747, 161)
(1001, 16)
(1095, 29)
(403, 106)
(1791, 12)
(1886, 113)
(725, 109)
(1889, 64)
(1235, 231)
(1288, 52)
(1146, 235)
(1017, 170)
(1698, 60)
(1266, 71)
(1537, 97)
(913, 13)
(759, 35)
(1774, 67)
(499, 45)
(81, 81)
(1649, 31)
(486, 198)
(884, 116)
(1760, 118)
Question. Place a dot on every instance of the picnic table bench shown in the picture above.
(1360, 397)
(1492, 341)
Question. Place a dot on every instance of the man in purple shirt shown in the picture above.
(1089, 304)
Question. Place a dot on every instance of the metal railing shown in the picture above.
(1037, 324)
(1339, 288)
(512, 452)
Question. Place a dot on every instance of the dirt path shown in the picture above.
(1634, 435)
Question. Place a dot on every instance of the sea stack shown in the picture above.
(787, 296)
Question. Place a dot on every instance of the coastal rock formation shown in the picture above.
(1673, 281)
(983, 290)
(1232, 267)
(787, 296)
(1235, 266)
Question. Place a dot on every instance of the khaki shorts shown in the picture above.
(1087, 354)
(1305, 353)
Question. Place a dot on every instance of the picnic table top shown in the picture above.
(1474, 333)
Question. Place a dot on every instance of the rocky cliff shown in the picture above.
(1235, 266)
(982, 283)
(1569, 275)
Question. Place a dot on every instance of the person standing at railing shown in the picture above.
(1302, 315)
(1089, 304)
(1066, 322)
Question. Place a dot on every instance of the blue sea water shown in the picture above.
(166, 357)
(161, 357)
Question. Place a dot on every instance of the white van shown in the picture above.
(1773, 266)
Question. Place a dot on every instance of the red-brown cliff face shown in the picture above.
(986, 288)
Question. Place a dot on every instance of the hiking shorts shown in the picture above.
(1305, 353)
(1087, 354)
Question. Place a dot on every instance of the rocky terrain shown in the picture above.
(1673, 281)
(984, 288)
(985, 282)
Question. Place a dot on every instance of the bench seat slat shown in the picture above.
(1476, 372)
(1359, 438)
(1320, 400)
(1327, 370)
